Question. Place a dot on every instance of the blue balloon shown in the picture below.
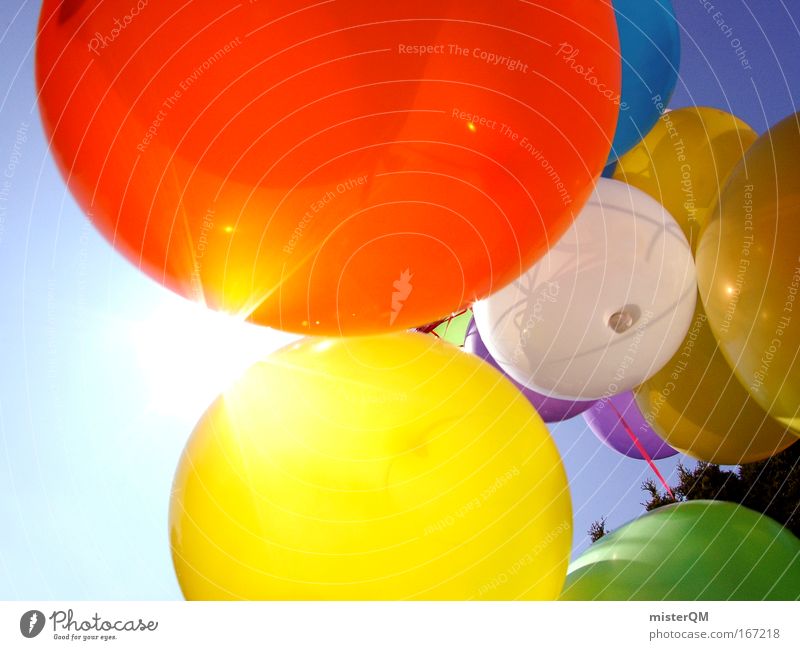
(650, 46)
(610, 168)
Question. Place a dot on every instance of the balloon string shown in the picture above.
(430, 327)
(642, 450)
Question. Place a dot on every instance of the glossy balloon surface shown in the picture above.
(650, 45)
(329, 168)
(749, 271)
(684, 161)
(696, 404)
(384, 468)
(607, 306)
(550, 408)
(617, 420)
(697, 550)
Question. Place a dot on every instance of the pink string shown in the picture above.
(642, 450)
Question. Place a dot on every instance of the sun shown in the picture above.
(188, 354)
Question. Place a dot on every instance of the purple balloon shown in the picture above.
(550, 408)
(607, 419)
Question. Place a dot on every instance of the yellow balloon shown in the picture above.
(684, 160)
(391, 467)
(748, 270)
(697, 405)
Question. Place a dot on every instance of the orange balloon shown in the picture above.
(345, 167)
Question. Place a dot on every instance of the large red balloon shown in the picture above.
(347, 166)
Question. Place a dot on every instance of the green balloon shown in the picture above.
(455, 330)
(694, 550)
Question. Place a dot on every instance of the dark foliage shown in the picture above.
(770, 486)
(598, 529)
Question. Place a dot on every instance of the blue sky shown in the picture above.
(94, 356)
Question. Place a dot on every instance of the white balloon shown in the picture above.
(607, 306)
